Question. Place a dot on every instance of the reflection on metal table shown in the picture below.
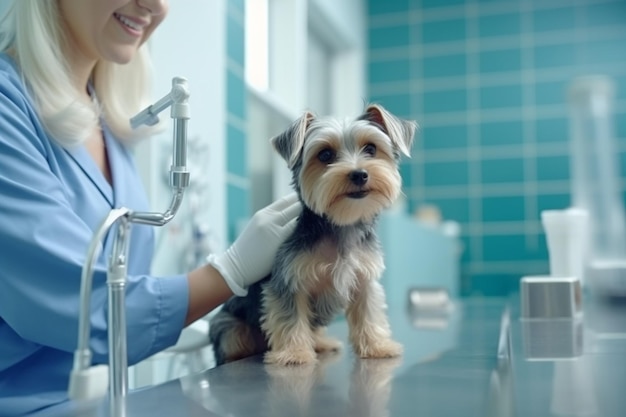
(476, 359)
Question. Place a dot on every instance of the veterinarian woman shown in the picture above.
(72, 72)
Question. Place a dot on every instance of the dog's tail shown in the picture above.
(232, 338)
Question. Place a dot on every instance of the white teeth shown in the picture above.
(127, 22)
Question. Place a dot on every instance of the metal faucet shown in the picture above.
(90, 382)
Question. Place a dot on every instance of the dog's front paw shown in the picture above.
(294, 356)
(380, 349)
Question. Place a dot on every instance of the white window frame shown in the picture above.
(341, 26)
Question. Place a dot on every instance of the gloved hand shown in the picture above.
(251, 256)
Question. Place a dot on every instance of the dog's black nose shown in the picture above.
(358, 177)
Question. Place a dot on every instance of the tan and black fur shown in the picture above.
(345, 174)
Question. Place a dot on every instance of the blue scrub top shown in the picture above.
(51, 201)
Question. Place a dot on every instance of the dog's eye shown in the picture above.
(326, 156)
(370, 149)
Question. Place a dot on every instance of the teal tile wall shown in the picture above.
(237, 187)
(486, 80)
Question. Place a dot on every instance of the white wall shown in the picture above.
(346, 15)
(342, 26)
(346, 22)
(190, 43)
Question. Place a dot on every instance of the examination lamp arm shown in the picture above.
(179, 176)
(177, 98)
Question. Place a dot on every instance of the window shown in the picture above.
(300, 55)
(256, 71)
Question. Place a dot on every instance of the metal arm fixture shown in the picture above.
(87, 382)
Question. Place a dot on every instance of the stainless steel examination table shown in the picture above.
(476, 359)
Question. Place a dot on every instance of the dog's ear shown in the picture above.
(400, 131)
(289, 144)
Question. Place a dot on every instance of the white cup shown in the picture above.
(567, 239)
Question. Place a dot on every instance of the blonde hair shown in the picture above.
(33, 32)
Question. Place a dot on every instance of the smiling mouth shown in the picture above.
(127, 22)
(358, 194)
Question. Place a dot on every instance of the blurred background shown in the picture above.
(485, 79)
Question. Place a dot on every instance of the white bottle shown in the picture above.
(596, 181)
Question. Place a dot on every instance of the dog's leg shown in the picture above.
(324, 343)
(370, 333)
(325, 305)
(286, 322)
(233, 339)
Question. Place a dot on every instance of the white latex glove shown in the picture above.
(251, 256)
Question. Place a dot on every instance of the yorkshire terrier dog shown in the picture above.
(345, 174)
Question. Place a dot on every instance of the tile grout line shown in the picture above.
(529, 126)
(473, 130)
(416, 68)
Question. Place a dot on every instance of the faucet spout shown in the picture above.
(86, 382)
